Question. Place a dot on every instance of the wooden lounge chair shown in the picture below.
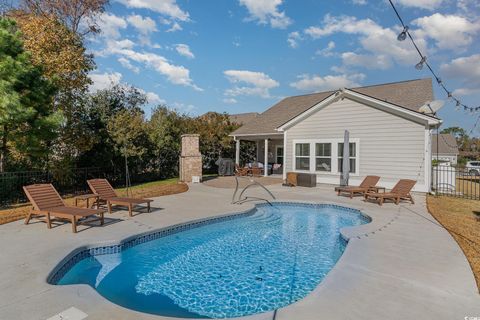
(367, 183)
(106, 194)
(400, 191)
(239, 171)
(47, 202)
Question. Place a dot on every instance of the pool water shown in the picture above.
(247, 265)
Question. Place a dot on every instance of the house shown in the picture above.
(447, 148)
(243, 118)
(389, 137)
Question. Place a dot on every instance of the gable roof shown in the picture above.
(410, 94)
(243, 118)
(446, 144)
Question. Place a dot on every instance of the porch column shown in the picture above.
(265, 159)
(237, 152)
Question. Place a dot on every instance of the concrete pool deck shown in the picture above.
(400, 266)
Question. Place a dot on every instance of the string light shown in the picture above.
(419, 66)
(423, 62)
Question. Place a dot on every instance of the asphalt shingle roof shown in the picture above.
(410, 94)
(446, 144)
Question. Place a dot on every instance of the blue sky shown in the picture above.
(244, 55)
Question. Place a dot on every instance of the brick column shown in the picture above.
(190, 158)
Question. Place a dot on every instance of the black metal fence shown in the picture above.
(71, 181)
(456, 181)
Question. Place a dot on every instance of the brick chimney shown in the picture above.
(190, 158)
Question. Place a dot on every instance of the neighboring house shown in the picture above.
(389, 137)
(447, 148)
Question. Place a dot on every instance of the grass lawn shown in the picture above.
(145, 190)
(458, 217)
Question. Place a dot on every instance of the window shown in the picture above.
(302, 156)
(323, 157)
(353, 157)
(279, 155)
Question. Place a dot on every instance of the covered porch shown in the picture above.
(269, 153)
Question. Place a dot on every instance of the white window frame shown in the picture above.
(323, 157)
(295, 157)
(356, 155)
(276, 153)
(334, 170)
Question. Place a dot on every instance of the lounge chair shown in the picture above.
(106, 194)
(47, 202)
(400, 191)
(239, 171)
(367, 183)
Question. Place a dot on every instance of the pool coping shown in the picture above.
(116, 246)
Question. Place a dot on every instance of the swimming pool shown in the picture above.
(231, 266)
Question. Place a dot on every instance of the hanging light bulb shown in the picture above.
(457, 106)
(439, 81)
(403, 35)
(419, 66)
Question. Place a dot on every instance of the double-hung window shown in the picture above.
(323, 157)
(302, 156)
(353, 157)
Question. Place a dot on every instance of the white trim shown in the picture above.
(385, 106)
(265, 159)
(284, 166)
(428, 159)
(334, 157)
(254, 134)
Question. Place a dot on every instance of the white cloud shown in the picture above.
(127, 64)
(449, 31)
(184, 50)
(368, 61)
(110, 25)
(359, 2)
(103, 81)
(152, 97)
(316, 83)
(175, 74)
(267, 12)
(144, 25)
(468, 70)
(188, 108)
(327, 51)
(258, 83)
(168, 8)
(373, 37)
(175, 27)
(230, 100)
(423, 4)
(293, 38)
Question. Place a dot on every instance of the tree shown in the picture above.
(460, 135)
(27, 120)
(127, 131)
(165, 129)
(78, 15)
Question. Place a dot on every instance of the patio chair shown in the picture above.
(367, 183)
(47, 202)
(106, 194)
(256, 171)
(400, 191)
(239, 171)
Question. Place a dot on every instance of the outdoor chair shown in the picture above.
(400, 191)
(106, 194)
(239, 171)
(46, 202)
(367, 183)
(256, 171)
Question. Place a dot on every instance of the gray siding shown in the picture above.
(389, 146)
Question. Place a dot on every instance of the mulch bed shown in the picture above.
(20, 212)
(461, 217)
